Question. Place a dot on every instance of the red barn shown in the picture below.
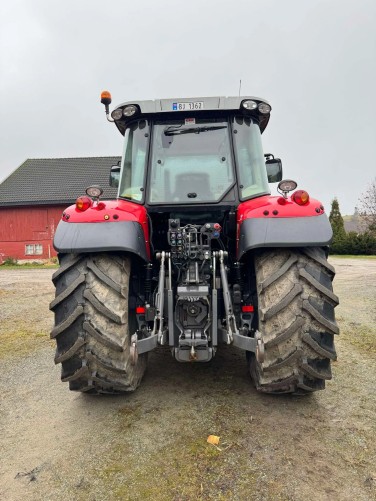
(34, 196)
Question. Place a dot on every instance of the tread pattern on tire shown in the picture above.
(296, 320)
(91, 324)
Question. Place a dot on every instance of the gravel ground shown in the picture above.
(60, 445)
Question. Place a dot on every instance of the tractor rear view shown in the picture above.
(194, 253)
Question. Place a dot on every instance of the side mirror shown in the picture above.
(115, 176)
(274, 170)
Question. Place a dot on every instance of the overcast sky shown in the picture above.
(313, 60)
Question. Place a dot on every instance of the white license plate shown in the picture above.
(191, 106)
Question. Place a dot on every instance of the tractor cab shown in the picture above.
(200, 152)
(193, 159)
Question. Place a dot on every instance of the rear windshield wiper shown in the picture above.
(174, 131)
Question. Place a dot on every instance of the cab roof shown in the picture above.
(171, 106)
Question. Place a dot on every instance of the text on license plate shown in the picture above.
(191, 106)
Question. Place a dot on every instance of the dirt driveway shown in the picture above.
(60, 445)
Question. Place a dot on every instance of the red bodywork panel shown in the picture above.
(122, 210)
(110, 211)
(276, 207)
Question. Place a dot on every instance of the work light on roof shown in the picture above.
(117, 114)
(249, 104)
(264, 108)
(130, 110)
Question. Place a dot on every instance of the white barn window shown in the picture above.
(33, 249)
(29, 249)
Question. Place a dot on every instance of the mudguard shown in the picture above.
(107, 226)
(288, 232)
(126, 236)
(272, 222)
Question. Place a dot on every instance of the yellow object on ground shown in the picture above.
(213, 439)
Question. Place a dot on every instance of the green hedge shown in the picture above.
(353, 243)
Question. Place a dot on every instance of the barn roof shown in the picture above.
(42, 181)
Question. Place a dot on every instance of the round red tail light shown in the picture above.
(83, 203)
(300, 197)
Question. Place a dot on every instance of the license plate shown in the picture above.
(191, 106)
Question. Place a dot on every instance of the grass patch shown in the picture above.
(21, 342)
(361, 337)
(182, 466)
(184, 471)
(128, 416)
(28, 266)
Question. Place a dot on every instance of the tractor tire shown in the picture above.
(92, 324)
(295, 319)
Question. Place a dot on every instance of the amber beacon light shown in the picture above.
(106, 98)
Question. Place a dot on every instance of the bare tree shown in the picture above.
(367, 207)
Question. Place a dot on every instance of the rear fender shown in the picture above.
(277, 222)
(114, 225)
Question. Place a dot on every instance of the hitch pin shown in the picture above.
(192, 354)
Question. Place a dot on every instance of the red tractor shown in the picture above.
(194, 253)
